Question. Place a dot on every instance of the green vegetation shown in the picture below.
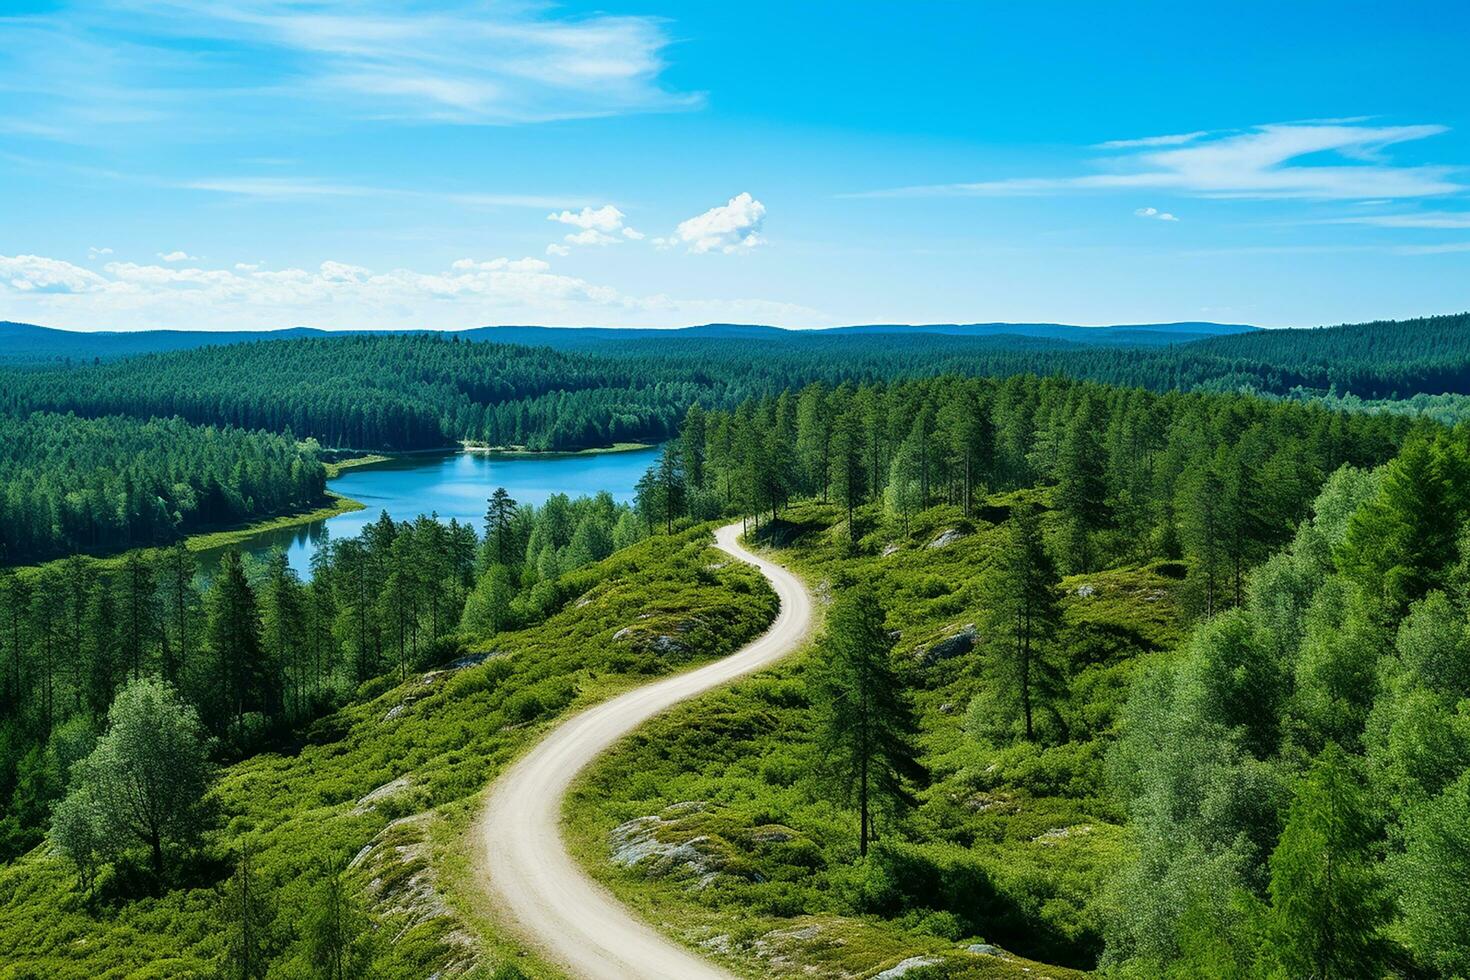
(142, 786)
(413, 391)
(1247, 806)
(261, 653)
(70, 484)
(865, 724)
(1010, 846)
(384, 788)
(98, 482)
(1166, 682)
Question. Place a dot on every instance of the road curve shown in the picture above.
(526, 868)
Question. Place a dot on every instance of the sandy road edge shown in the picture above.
(522, 860)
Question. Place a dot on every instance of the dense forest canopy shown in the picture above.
(1217, 480)
(396, 392)
(1318, 550)
(258, 651)
(70, 484)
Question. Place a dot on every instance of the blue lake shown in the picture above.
(450, 485)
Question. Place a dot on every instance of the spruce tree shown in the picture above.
(233, 632)
(247, 916)
(866, 725)
(499, 527)
(1024, 618)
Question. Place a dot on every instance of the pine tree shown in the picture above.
(1025, 617)
(1403, 543)
(1082, 489)
(233, 633)
(814, 439)
(499, 527)
(338, 933)
(137, 604)
(866, 725)
(176, 571)
(692, 443)
(904, 496)
(848, 477)
(247, 918)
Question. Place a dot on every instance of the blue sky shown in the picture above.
(264, 163)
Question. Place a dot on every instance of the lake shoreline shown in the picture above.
(205, 544)
(521, 452)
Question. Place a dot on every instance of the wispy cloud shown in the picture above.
(1445, 248)
(1155, 214)
(469, 292)
(292, 188)
(1421, 219)
(178, 255)
(1263, 162)
(1174, 139)
(119, 62)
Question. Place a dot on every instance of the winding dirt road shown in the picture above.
(573, 920)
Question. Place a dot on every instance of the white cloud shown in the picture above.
(591, 237)
(247, 266)
(298, 188)
(731, 227)
(605, 218)
(470, 292)
(118, 62)
(38, 274)
(1155, 214)
(178, 256)
(1446, 248)
(1421, 219)
(1174, 139)
(600, 226)
(1264, 162)
(555, 249)
(94, 252)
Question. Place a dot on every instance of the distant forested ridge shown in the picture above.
(421, 390)
(70, 484)
(26, 343)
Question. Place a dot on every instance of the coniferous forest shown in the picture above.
(1148, 660)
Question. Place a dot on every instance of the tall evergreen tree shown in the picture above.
(500, 527)
(866, 724)
(247, 915)
(233, 633)
(1024, 619)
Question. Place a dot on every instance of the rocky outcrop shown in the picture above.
(960, 641)
(386, 791)
(404, 896)
(907, 966)
(661, 848)
(1058, 834)
(947, 538)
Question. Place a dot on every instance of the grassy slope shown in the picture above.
(449, 734)
(1011, 845)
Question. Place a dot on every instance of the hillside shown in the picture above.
(25, 343)
(1011, 846)
(388, 784)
